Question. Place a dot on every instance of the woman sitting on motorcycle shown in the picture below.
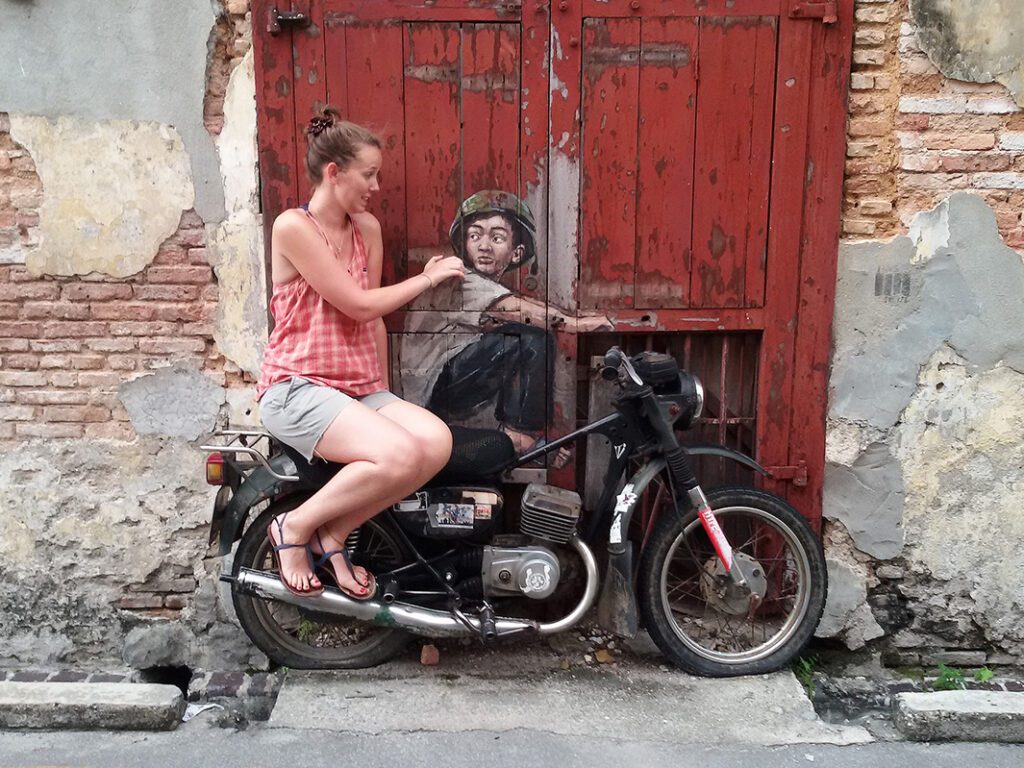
(323, 385)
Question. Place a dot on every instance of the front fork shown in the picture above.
(714, 531)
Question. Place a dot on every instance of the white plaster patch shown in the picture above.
(235, 246)
(113, 191)
(929, 232)
(563, 215)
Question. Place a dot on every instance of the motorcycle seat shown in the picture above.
(477, 455)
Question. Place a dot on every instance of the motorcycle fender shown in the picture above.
(721, 452)
(258, 486)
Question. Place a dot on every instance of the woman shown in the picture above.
(323, 387)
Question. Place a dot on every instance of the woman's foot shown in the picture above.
(354, 580)
(293, 559)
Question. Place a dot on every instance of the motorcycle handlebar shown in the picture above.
(615, 358)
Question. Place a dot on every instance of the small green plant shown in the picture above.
(949, 679)
(984, 674)
(803, 668)
(305, 630)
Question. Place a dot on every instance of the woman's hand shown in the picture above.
(441, 268)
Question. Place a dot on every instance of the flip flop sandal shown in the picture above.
(324, 561)
(275, 548)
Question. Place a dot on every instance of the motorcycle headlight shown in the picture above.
(692, 400)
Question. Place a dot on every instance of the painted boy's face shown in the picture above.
(489, 245)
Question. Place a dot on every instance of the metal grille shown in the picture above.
(726, 363)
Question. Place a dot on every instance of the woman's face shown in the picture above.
(356, 182)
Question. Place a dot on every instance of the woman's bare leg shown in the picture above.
(383, 463)
(434, 442)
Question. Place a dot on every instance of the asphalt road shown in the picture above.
(199, 743)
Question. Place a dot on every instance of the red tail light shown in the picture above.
(215, 469)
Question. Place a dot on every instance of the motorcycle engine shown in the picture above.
(532, 571)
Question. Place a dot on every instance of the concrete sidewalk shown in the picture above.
(90, 706)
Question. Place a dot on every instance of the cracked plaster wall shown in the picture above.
(981, 41)
(923, 488)
(102, 557)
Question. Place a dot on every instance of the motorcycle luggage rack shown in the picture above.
(239, 443)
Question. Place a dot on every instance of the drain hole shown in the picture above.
(176, 676)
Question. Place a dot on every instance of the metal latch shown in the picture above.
(796, 474)
(808, 9)
(276, 19)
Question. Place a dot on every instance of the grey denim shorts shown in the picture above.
(298, 411)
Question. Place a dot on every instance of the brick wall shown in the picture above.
(915, 136)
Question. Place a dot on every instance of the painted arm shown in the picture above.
(305, 249)
(513, 308)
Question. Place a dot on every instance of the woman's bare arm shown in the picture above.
(295, 239)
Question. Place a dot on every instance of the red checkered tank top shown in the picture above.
(314, 340)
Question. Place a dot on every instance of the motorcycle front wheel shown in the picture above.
(301, 639)
(704, 623)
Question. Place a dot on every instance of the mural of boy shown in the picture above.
(458, 364)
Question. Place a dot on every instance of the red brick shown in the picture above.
(869, 126)
(975, 162)
(177, 602)
(97, 291)
(906, 122)
(138, 602)
(22, 379)
(99, 379)
(197, 256)
(52, 397)
(74, 329)
(87, 362)
(6, 430)
(19, 330)
(193, 238)
(174, 275)
(173, 312)
(44, 310)
(28, 291)
(20, 274)
(24, 362)
(9, 310)
(63, 379)
(964, 141)
(36, 429)
(13, 345)
(171, 255)
(211, 292)
(17, 412)
(171, 346)
(197, 329)
(143, 329)
(111, 345)
(121, 363)
(122, 310)
(76, 413)
(56, 345)
(167, 292)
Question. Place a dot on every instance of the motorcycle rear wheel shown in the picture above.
(300, 639)
(703, 623)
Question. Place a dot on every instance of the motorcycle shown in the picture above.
(726, 582)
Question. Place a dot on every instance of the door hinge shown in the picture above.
(795, 474)
(277, 19)
(809, 9)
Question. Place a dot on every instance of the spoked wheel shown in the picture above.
(303, 639)
(695, 613)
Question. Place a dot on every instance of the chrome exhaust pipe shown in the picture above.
(428, 622)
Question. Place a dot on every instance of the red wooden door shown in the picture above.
(682, 158)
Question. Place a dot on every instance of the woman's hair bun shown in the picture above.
(325, 119)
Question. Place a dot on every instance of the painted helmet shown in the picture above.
(489, 202)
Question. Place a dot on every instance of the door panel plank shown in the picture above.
(310, 88)
(668, 96)
(432, 136)
(375, 53)
(611, 52)
(731, 112)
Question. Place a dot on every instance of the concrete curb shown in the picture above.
(91, 706)
(961, 716)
